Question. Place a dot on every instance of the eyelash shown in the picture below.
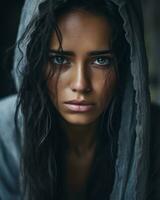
(52, 57)
(109, 60)
(106, 58)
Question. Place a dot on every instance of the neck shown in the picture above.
(81, 138)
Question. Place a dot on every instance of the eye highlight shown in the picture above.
(58, 59)
(102, 61)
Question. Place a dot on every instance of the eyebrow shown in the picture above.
(92, 53)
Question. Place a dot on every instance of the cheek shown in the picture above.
(52, 76)
(110, 82)
(52, 89)
(56, 86)
(106, 87)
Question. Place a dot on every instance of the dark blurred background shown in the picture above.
(10, 16)
(151, 11)
(9, 20)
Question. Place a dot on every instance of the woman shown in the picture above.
(71, 86)
(84, 101)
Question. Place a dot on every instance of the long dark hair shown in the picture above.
(43, 140)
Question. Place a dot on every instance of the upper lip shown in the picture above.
(78, 102)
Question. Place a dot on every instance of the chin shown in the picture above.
(80, 120)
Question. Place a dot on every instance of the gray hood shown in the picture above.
(132, 162)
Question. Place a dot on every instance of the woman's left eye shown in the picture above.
(103, 60)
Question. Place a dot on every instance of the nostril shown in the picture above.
(85, 90)
(88, 90)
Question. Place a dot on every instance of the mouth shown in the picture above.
(79, 106)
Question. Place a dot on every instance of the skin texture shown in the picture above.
(82, 77)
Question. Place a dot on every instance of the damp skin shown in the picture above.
(87, 68)
(81, 90)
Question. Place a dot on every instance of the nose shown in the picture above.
(81, 80)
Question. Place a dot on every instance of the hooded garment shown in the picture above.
(132, 163)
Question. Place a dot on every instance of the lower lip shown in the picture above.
(79, 108)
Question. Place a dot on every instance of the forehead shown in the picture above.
(83, 30)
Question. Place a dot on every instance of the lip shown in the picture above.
(79, 106)
(78, 102)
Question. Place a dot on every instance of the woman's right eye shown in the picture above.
(59, 60)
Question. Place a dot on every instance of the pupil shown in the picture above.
(60, 59)
(101, 60)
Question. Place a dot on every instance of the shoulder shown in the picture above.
(9, 150)
(7, 110)
(7, 125)
(154, 172)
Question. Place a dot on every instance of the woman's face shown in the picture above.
(84, 86)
